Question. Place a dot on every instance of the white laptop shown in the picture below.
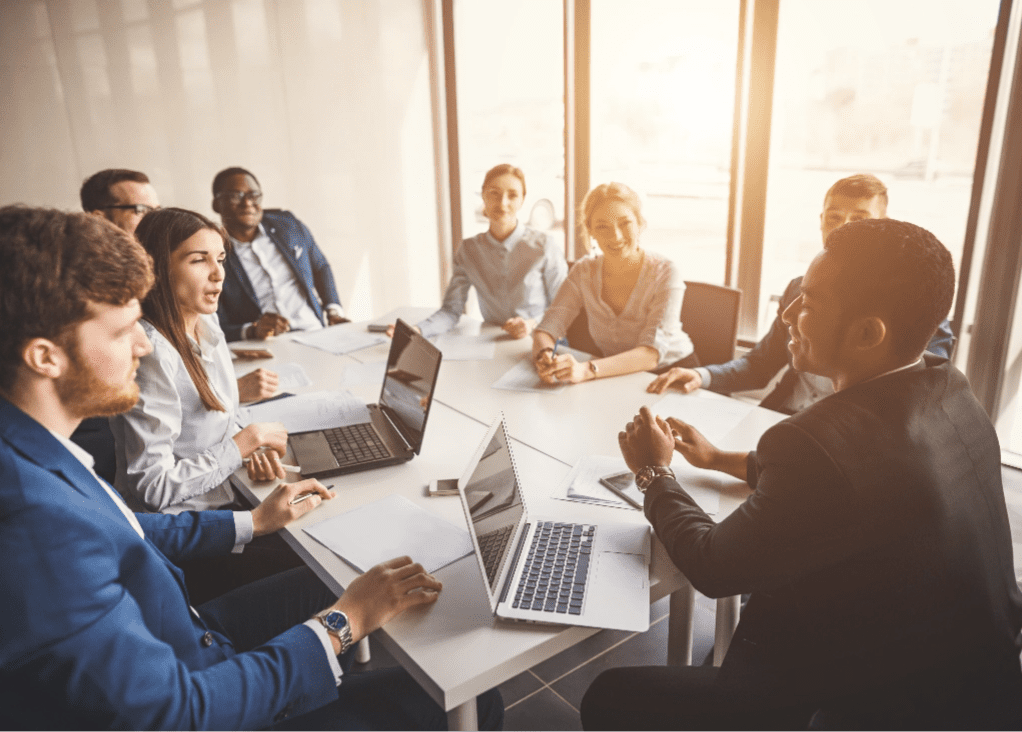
(550, 569)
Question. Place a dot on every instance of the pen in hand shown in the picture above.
(304, 496)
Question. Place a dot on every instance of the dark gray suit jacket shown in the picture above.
(878, 555)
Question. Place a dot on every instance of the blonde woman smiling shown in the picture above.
(631, 297)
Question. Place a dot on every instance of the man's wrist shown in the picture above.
(248, 332)
(647, 474)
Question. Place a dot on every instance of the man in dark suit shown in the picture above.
(98, 630)
(855, 198)
(876, 544)
(275, 277)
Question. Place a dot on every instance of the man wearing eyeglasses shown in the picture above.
(276, 278)
(120, 196)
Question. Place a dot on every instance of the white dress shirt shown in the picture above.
(651, 317)
(173, 454)
(274, 282)
(516, 277)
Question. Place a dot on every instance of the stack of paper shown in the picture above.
(338, 339)
(392, 527)
(583, 482)
(316, 410)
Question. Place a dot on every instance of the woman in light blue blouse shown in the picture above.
(516, 270)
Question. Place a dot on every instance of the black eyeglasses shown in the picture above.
(236, 197)
(140, 208)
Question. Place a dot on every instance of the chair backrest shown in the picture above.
(578, 332)
(709, 314)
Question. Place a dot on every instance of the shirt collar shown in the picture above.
(906, 367)
(83, 457)
(260, 233)
(512, 240)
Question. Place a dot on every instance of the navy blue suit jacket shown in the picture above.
(755, 369)
(238, 303)
(95, 624)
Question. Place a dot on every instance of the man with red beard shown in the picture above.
(98, 630)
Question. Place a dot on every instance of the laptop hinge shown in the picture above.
(513, 565)
(396, 429)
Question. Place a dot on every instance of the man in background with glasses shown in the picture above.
(120, 196)
(276, 278)
(855, 198)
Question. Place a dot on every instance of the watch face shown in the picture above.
(335, 619)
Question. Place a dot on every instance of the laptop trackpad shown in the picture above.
(312, 452)
(626, 572)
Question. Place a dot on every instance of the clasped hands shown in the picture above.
(562, 368)
(651, 440)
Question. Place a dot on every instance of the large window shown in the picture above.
(889, 88)
(663, 74)
(509, 62)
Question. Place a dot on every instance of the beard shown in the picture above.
(84, 394)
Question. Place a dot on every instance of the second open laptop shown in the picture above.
(550, 569)
(397, 423)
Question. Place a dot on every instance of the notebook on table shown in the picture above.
(397, 423)
(550, 569)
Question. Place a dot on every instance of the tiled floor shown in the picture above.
(547, 696)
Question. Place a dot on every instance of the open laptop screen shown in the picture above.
(412, 368)
(494, 503)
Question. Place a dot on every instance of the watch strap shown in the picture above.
(645, 477)
(341, 632)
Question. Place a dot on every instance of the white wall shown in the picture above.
(326, 101)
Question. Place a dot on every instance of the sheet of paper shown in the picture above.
(339, 340)
(714, 417)
(456, 347)
(358, 374)
(313, 411)
(392, 527)
(292, 376)
(523, 377)
(583, 482)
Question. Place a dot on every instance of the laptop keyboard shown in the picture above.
(357, 443)
(492, 546)
(556, 568)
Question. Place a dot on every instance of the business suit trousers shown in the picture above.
(677, 698)
(386, 699)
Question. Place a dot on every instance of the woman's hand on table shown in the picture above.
(263, 464)
(258, 384)
(281, 508)
(518, 327)
(686, 380)
(562, 368)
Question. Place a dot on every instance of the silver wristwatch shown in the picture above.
(336, 624)
(645, 477)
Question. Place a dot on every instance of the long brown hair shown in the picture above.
(161, 232)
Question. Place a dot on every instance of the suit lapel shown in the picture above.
(235, 269)
(292, 259)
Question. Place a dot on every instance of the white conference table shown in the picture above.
(550, 432)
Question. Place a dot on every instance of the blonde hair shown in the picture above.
(608, 192)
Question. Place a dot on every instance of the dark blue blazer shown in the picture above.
(238, 303)
(755, 369)
(95, 624)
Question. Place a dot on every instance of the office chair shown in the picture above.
(709, 314)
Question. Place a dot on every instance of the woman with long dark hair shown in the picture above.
(178, 445)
